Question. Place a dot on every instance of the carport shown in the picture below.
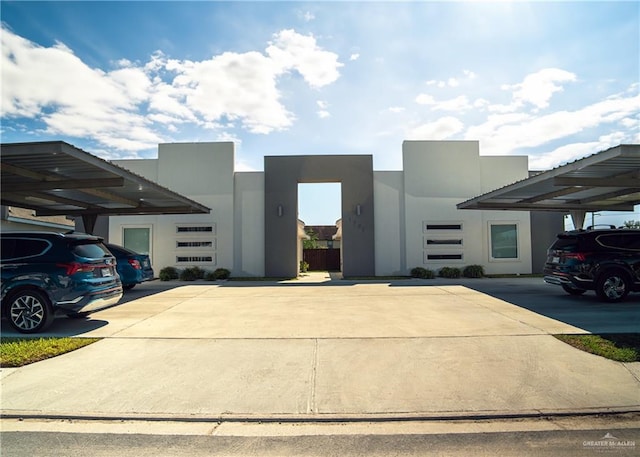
(56, 178)
(606, 181)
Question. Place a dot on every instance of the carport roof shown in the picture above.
(56, 178)
(606, 181)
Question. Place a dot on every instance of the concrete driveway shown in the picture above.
(320, 349)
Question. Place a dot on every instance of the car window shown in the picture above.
(627, 241)
(22, 248)
(90, 250)
(566, 243)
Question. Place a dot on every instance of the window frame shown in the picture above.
(515, 224)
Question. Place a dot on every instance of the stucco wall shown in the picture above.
(202, 172)
(437, 176)
(249, 224)
(388, 191)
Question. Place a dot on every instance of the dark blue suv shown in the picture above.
(604, 260)
(47, 273)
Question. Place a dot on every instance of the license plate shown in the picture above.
(106, 272)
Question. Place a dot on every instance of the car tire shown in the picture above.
(29, 311)
(612, 285)
(573, 290)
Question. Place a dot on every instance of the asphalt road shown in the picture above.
(572, 443)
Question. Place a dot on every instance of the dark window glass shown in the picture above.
(194, 244)
(441, 242)
(90, 250)
(8, 248)
(567, 244)
(195, 229)
(444, 226)
(444, 256)
(620, 241)
(30, 247)
(193, 259)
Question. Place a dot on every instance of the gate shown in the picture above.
(322, 259)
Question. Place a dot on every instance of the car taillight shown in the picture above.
(580, 256)
(76, 267)
(135, 264)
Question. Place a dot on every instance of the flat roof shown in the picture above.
(605, 181)
(56, 178)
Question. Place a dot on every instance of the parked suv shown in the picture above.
(604, 260)
(46, 273)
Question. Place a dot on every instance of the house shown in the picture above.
(391, 221)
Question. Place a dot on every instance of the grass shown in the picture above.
(621, 347)
(16, 352)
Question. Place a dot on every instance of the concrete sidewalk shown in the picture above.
(310, 349)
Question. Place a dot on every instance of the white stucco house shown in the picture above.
(414, 222)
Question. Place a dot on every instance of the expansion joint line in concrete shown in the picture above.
(311, 403)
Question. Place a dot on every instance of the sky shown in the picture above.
(556, 81)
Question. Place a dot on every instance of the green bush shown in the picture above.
(169, 273)
(449, 272)
(191, 274)
(422, 273)
(473, 271)
(304, 266)
(221, 273)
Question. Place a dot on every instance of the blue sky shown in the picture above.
(556, 81)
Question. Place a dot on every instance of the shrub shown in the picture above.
(473, 271)
(449, 272)
(168, 274)
(221, 273)
(304, 266)
(422, 273)
(191, 274)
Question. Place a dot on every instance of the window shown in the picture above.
(504, 241)
(182, 259)
(138, 239)
(194, 244)
(22, 248)
(444, 256)
(428, 226)
(455, 242)
(90, 250)
(187, 229)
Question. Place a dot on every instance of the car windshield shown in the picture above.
(93, 250)
(566, 243)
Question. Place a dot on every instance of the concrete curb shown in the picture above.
(328, 418)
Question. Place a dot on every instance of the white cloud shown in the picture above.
(441, 129)
(354, 56)
(396, 109)
(308, 16)
(538, 88)
(322, 112)
(121, 108)
(290, 50)
(503, 134)
(459, 103)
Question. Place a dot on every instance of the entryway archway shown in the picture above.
(282, 175)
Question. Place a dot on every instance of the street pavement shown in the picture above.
(332, 350)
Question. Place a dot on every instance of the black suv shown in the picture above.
(47, 273)
(604, 260)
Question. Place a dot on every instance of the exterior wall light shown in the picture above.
(358, 210)
(280, 210)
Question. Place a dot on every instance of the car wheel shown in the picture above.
(573, 290)
(128, 286)
(612, 286)
(29, 311)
